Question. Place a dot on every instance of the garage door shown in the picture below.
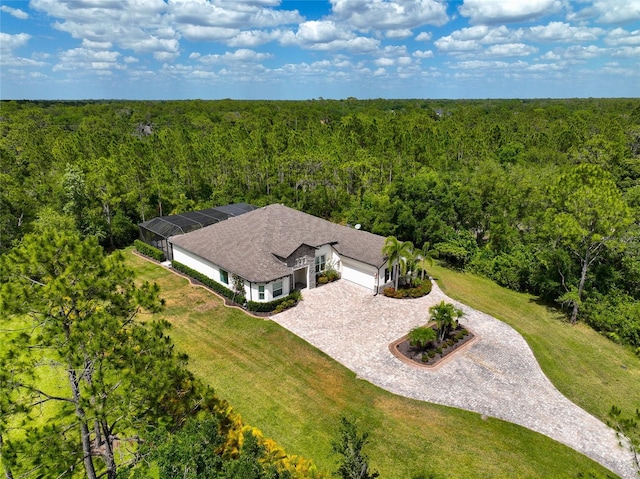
(357, 273)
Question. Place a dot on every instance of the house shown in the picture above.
(276, 249)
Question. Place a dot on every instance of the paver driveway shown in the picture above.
(497, 375)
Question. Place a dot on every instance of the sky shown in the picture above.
(311, 49)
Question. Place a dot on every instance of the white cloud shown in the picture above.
(328, 36)
(379, 72)
(563, 32)
(620, 36)
(390, 14)
(78, 59)
(502, 11)
(449, 44)
(15, 12)
(230, 14)
(510, 50)
(202, 74)
(401, 33)
(385, 62)
(423, 37)
(9, 42)
(138, 25)
(131, 60)
(550, 55)
(619, 71)
(631, 52)
(481, 64)
(165, 56)
(577, 52)
(96, 45)
(241, 55)
(472, 38)
(609, 11)
(10, 60)
(322, 32)
(423, 54)
(207, 33)
(253, 38)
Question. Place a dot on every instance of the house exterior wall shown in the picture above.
(253, 294)
(331, 257)
(251, 290)
(197, 263)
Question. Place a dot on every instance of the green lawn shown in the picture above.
(296, 395)
(588, 368)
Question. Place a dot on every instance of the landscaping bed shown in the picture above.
(435, 351)
(417, 291)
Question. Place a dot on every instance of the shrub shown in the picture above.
(149, 250)
(214, 285)
(322, 280)
(332, 275)
(289, 303)
(421, 336)
(389, 292)
(272, 306)
(416, 292)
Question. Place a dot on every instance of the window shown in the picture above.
(261, 291)
(277, 289)
(224, 276)
(320, 263)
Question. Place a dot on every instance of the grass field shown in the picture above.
(588, 368)
(296, 395)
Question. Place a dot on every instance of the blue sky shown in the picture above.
(279, 49)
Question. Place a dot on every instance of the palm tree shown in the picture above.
(421, 336)
(407, 266)
(395, 251)
(446, 317)
(425, 258)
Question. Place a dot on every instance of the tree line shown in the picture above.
(542, 196)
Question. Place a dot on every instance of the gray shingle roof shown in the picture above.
(246, 244)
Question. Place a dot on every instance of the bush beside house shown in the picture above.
(148, 250)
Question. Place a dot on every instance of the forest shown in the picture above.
(541, 196)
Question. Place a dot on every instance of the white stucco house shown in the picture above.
(276, 249)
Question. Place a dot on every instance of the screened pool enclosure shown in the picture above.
(156, 231)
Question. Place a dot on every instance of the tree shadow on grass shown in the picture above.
(551, 307)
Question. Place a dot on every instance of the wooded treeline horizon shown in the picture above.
(542, 196)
